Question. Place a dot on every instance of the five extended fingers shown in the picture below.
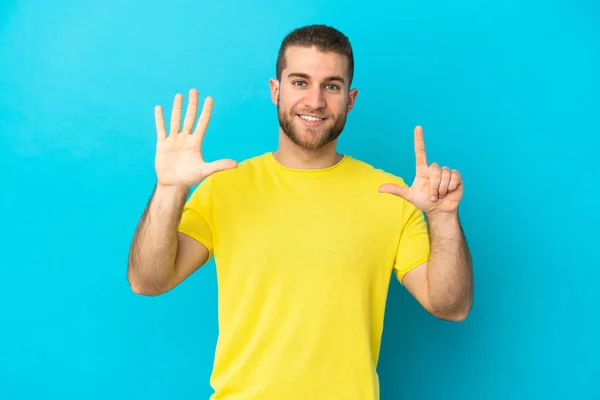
(190, 116)
(442, 180)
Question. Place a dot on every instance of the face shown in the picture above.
(313, 97)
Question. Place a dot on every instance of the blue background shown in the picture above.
(507, 92)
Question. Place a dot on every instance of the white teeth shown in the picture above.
(309, 118)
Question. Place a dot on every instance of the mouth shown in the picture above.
(310, 120)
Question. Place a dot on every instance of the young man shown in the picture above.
(305, 239)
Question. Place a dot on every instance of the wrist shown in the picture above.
(442, 216)
(171, 190)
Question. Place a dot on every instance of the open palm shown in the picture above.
(434, 188)
(179, 160)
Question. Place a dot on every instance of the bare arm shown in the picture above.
(160, 257)
(444, 284)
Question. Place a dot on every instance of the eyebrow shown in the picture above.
(306, 76)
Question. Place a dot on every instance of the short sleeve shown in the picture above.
(196, 218)
(413, 246)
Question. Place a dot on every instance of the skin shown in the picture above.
(313, 83)
(444, 284)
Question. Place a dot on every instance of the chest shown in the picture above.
(322, 234)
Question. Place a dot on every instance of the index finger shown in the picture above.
(420, 147)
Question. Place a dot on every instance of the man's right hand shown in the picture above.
(179, 161)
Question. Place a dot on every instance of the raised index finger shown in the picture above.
(420, 147)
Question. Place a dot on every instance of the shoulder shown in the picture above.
(246, 171)
(372, 173)
(385, 208)
(247, 168)
(368, 178)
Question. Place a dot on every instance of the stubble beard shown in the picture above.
(291, 129)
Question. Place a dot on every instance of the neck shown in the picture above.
(293, 156)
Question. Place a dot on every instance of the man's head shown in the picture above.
(315, 68)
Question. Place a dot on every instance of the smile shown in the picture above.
(310, 118)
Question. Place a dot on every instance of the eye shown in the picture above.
(298, 83)
(333, 87)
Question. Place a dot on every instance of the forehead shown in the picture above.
(317, 64)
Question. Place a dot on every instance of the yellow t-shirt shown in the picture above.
(304, 260)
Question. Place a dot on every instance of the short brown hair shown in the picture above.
(325, 38)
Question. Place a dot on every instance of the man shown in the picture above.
(304, 238)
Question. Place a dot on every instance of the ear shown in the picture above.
(352, 98)
(274, 85)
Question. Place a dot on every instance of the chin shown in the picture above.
(308, 137)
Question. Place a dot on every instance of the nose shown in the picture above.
(315, 98)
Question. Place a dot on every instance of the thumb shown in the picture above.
(220, 165)
(397, 190)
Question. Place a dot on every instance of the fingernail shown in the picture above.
(433, 198)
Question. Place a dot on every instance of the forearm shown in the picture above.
(449, 270)
(154, 246)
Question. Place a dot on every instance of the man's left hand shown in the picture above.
(435, 189)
